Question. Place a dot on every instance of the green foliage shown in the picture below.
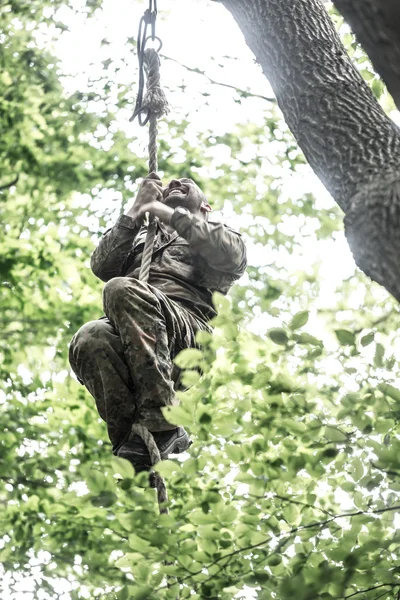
(290, 489)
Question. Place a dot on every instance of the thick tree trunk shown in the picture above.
(376, 23)
(351, 144)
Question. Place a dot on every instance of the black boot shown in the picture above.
(135, 450)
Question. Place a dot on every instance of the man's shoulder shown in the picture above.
(216, 222)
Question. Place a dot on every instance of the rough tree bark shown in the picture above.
(351, 144)
(376, 23)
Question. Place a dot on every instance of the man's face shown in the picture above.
(184, 192)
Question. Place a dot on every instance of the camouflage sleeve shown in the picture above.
(222, 247)
(108, 258)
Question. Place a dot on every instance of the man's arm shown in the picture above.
(108, 259)
(222, 248)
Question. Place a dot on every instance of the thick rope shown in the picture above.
(156, 105)
(155, 457)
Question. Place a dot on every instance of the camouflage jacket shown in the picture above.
(188, 265)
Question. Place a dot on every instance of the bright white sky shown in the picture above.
(198, 33)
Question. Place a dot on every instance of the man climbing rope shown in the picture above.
(125, 359)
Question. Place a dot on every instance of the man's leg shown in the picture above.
(151, 328)
(97, 358)
(136, 314)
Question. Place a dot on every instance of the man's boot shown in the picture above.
(173, 441)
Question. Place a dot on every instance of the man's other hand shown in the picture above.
(157, 209)
(150, 191)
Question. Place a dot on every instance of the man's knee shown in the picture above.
(119, 289)
(87, 339)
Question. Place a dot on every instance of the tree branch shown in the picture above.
(241, 92)
(291, 501)
(349, 141)
(8, 185)
(392, 473)
(285, 537)
(376, 24)
(375, 587)
(375, 323)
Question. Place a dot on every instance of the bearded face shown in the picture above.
(184, 192)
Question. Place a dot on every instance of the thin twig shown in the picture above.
(240, 91)
(392, 473)
(295, 530)
(292, 501)
(376, 587)
(375, 323)
(8, 185)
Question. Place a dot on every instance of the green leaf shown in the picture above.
(5, 79)
(98, 482)
(221, 302)
(190, 378)
(377, 87)
(278, 336)
(143, 592)
(357, 468)
(166, 468)
(274, 560)
(306, 338)
(390, 390)
(367, 339)
(345, 337)
(189, 358)
(129, 560)
(333, 434)
(228, 515)
(198, 517)
(122, 467)
(126, 520)
(293, 426)
(384, 425)
(379, 354)
(299, 320)
(178, 414)
(137, 543)
(205, 418)
(105, 499)
(292, 515)
(90, 513)
(234, 452)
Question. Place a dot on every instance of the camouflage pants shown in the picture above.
(125, 358)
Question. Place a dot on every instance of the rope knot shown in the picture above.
(155, 103)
